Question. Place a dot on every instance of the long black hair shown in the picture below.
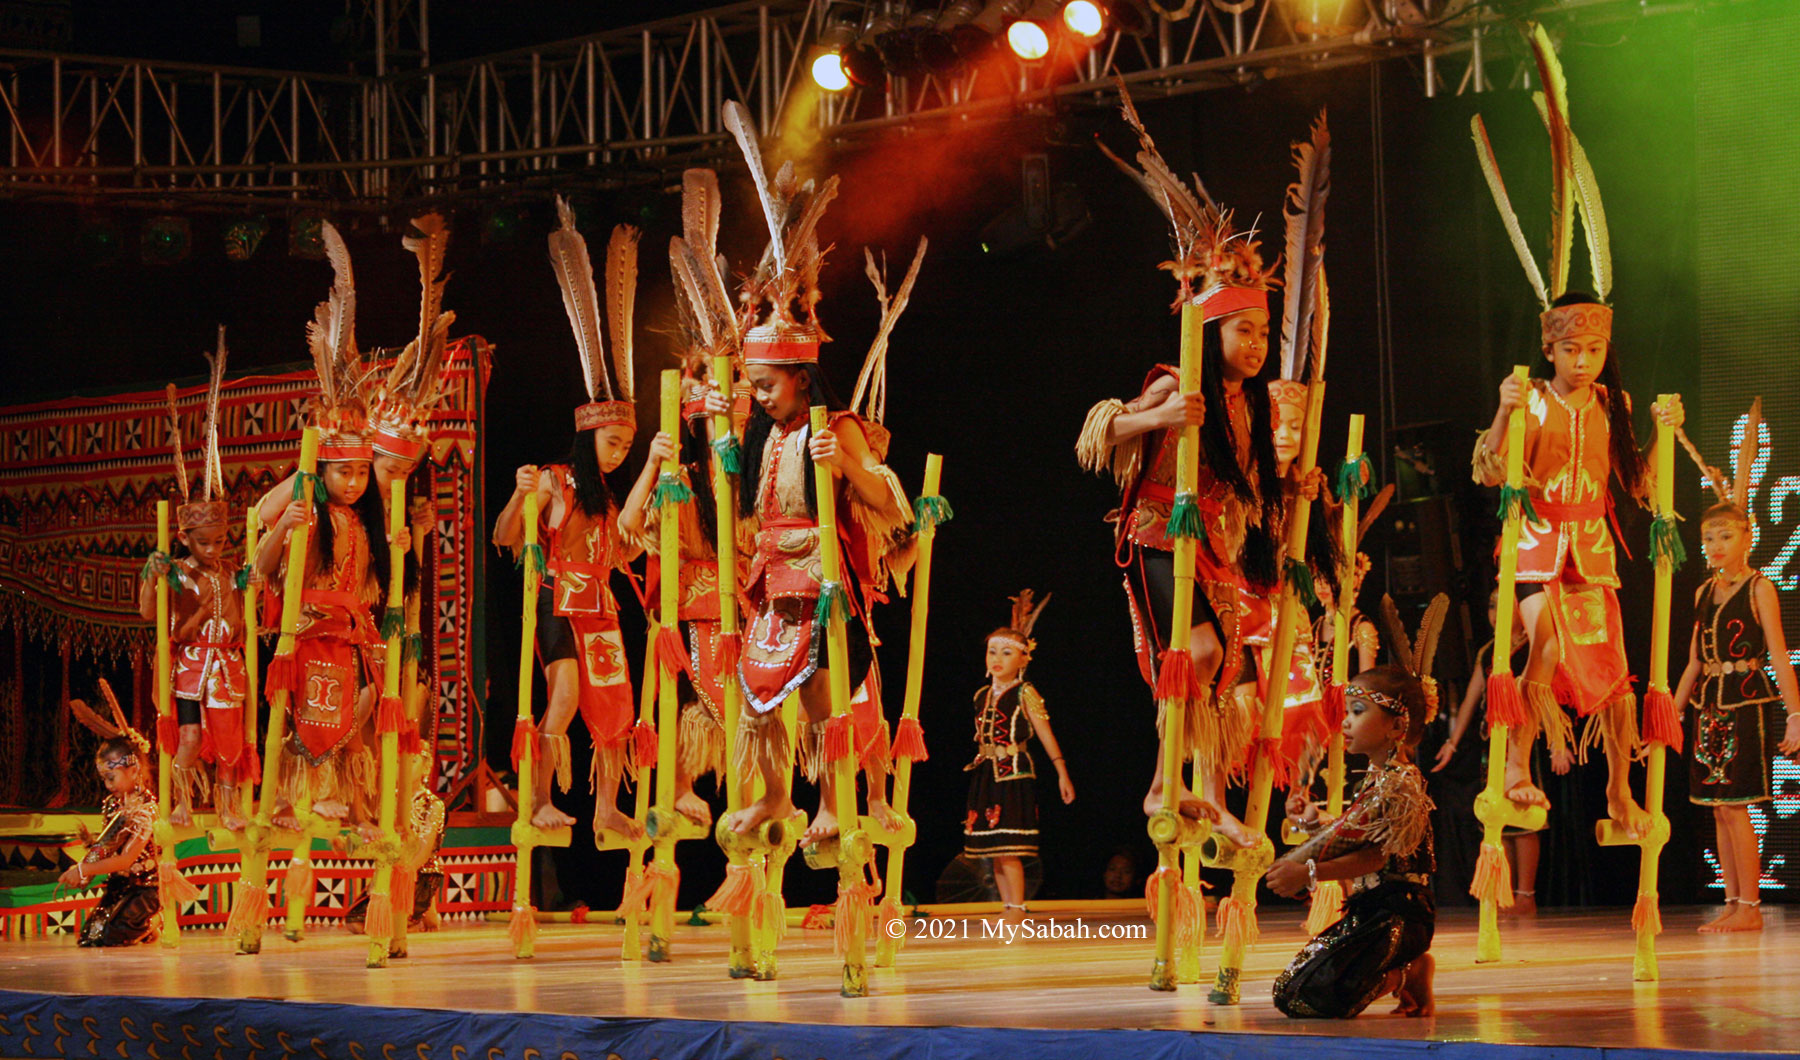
(1627, 462)
(374, 523)
(1220, 454)
(756, 436)
(695, 454)
(592, 495)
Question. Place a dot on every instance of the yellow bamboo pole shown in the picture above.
(740, 964)
(854, 847)
(527, 836)
(635, 849)
(886, 946)
(386, 849)
(1167, 828)
(165, 708)
(413, 847)
(1646, 917)
(1492, 808)
(250, 902)
(664, 826)
(252, 650)
(1249, 863)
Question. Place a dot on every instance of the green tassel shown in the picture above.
(300, 478)
(1184, 518)
(532, 554)
(670, 490)
(1665, 540)
(730, 454)
(930, 512)
(242, 578)
(319, 493)
(1509, 497)
(393, 623)
(832, 598)
(149, 572)
(699, 917)
(1350, 480)
(1300, 580)
(415, 646)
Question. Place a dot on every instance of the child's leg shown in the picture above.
(186, 759)
(1525, 849)
(1728, 866)
(1009, 876)
(815, 710)
(1415, 992)
(1207, 654)
(762, 740)
(562, 677)
(1540, 669)
(1747, 913)
(609, 769)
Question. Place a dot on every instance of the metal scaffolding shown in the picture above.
(628, 105)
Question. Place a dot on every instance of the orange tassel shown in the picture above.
(283, 675)
(837, 738)
(909, 742)
(671, 653)
(168, 733)
(524, 928)
(1661, 723)
(1333, 707)
(249, 910)
(854, 903)
(525, 742)
(644, 744)
(1505, 706)
(636, 898)
(664, 881)
(737, 895)
(403, 885)
(1493, 877)
(174, 886)
(1327, 907)
(379, 922)
(1269, 750)
(767, 911)
(886, 914)
(387, 714)
(1646, 915)
(300, 881)
(1237, 924)
(731, 645)
(1175, 676)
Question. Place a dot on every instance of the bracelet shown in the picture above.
(1312, 875)
(81, 872)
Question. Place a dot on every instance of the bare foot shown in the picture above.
(824, 826)
(548, 817)
(1523, 905)
(430, 921)
(368, 831)
(1748, 918)
(1716, 924)
(1625, 811)
(285, 818)
(1188, 804)
(1415, 993)
(1233, 830)
(694, 808)
(181, 815)
(1525, 793)
(886, 815)
(331, 809)
(227, 806)
(751, 817)
(611, 820)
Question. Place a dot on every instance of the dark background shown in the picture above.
(999, 356)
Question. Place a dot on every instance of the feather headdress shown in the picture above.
(870, 398)
(1216, 267)
(402, 401)
(782, 294)
(338, 410)
(114, 724)
(1304, 302)
(209, 508)
(1024, 620)
(1572, 188)
(1735, 491)
(709, 322)
(1417, 654)
(607, 405)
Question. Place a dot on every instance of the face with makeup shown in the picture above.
(345, 480)
(1289, 422)
(1006, 659)
(783, 392)
(1726, 541)
(1368, 729)
(1244, 342)
(119, 773)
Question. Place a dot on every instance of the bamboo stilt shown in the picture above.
(1647, 917)
(527, 836)
(386, 850)
(164, 830)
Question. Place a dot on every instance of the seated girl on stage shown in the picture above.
(125, 853)
(1382, 847)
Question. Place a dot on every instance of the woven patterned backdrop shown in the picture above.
(79, 482)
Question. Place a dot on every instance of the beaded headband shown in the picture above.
(120, 761)
(1392, 704)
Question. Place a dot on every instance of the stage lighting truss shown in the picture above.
(631, 106)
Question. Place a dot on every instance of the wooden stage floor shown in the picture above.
(1565, 980)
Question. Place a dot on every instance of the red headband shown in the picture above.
(1229, 300)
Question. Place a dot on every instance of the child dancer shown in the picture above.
(579, 643)
(1381, 846)
(1002, 821)
(1737, 638)
(206, 614)
(126, 852)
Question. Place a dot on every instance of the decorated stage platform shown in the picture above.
(1562, 989)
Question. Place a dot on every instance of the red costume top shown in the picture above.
(583, 552)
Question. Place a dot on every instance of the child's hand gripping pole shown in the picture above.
(1173, 905)
(1237, 913)
(1328, 897)
(662, 825)
(909, 741)
(250, 901)
(386, 850)
(1662, 726)
(526, 746)
(745, 882)
(166, 728)
(1505, 709)
(855, 852)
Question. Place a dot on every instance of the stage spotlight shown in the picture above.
(1084, 18)
(828, 72)
(306, 235)
(243, 237)
(1028, 40)
(974, 25)
(98, 240)
(864, 60)
(165, 240)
